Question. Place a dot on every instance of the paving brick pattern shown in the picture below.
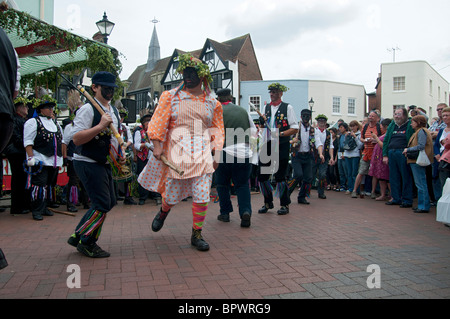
(317, 251)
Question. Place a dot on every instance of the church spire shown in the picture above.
(154, 51)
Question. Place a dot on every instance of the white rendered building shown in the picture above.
(411, 83)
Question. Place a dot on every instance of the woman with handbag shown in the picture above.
(443, 139)
(422, 144)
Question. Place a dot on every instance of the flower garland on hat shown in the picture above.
(321, 117)
(278, 87)
(21, 100)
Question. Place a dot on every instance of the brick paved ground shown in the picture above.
(319, 251)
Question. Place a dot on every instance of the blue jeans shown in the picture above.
(239, 173)
(352, 165)
(342, 168)
(400, 178)
(420, 179)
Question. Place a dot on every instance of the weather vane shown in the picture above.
(155, 21)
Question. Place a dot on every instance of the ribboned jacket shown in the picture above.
(282, 123)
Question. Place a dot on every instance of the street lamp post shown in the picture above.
(311, 105)
(105, 27)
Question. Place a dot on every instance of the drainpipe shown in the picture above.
(42, 10)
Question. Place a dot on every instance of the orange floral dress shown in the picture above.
(188, 127)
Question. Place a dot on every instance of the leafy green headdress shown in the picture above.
(278, 87)
(188, 61)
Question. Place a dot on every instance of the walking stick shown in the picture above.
(171, 165)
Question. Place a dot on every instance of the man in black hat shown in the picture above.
(324, 154)
(303, 147)
(235, 164)
(93, 137)
(42, 139)
(278, 118)
(15, 152)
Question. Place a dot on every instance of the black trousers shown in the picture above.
(20, 196)
(282, 158)
(98, 182)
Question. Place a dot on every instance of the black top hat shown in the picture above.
(306, 111)
(104, 79)
(223, 92)
(146, 117)
(46, 104)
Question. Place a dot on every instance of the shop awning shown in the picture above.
(38, 54)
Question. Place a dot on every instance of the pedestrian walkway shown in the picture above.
(318, 251)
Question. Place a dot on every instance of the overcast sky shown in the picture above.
(336, 40)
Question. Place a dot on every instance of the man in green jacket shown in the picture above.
(396, 140)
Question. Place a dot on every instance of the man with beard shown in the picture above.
(93, 139)
(187, 127)
(278, 116)
(396, 140)
(303, 147)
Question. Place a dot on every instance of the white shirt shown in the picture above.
(18, 73)
(67, 137)
(304, 135)
(443, 137)
(83, 121)
(30, 133)
(321, 137)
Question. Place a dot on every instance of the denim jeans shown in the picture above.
(342, 168)
(352, 165)
(239, 174)
(400, 178)
(420, 179)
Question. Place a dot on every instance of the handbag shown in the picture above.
(444, 166)
(422, 159)
(412, 155)
(349, 143)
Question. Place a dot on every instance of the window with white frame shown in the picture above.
(256, 101)
(336, 104)
(351, 106)
(399, 83)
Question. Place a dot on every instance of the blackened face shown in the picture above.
(191, 78)
(306, 118)
(107, 92)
